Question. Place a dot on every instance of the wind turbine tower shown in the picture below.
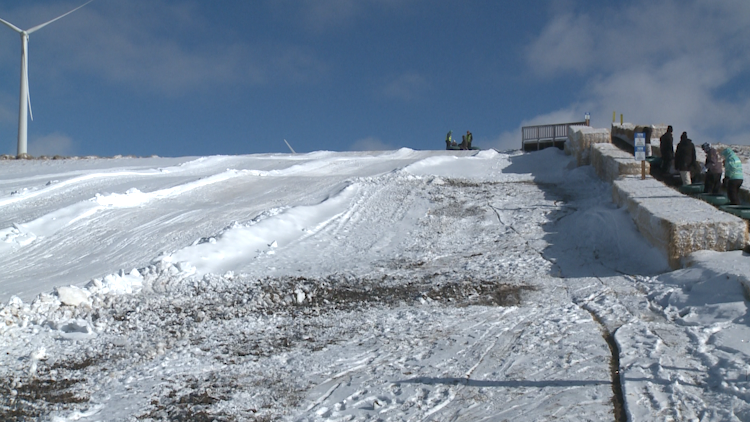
(25, 101)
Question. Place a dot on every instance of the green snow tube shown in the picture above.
(654, 161)
(692, 189)
(717, 199)
(738, 210)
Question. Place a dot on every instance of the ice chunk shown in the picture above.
(72, 296)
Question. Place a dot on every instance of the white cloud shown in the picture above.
(564, 44)
(154, 45)
(512, 139)
(663, 61)
(321, 16)
(51, 145)
(408, 86)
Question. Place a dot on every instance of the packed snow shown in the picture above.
(395, 286)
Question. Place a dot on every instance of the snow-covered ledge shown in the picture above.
(580, 139)
(610, 162)
(676, 223)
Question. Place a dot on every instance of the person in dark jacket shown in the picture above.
(685, 158)
(449, 140)
(469, 138)
(712, 183)
(666, 148)
(463, 144)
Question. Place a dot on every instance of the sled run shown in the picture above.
(395, 286)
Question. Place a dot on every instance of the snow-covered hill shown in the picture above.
(402, 285)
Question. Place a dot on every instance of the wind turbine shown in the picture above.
(25, 100)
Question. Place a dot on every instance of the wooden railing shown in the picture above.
(534, 138)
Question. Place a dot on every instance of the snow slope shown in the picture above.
(402, 285)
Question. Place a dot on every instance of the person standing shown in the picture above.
(469, 138)
(685, 158)
(647, 133)
(732, 175)
(463, 143)
(448, 139)
(667, 151)
(713, 170)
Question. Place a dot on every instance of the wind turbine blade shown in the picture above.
(28, 97)
(11, 26)
(290, 147)
(59, 17)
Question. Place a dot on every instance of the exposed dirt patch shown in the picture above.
(31, 399)
(192, 402)
(141, 327)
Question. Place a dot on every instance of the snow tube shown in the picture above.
(654, 161)
(738, 210)
(458, 148)
(673, 180)
(717, 199)
(692, 189)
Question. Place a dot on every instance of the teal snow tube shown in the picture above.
(654, 161)
(717, 199)
(692, 189)
(738, 210)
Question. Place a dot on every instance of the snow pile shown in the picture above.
(402, 285)
(223, 252)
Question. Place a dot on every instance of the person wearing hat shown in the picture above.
(666, 148)
(713, 170)
(463, 143)
(449, 140)
(732, 175)
(685, 159)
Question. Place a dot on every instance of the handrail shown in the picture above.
(555, 134)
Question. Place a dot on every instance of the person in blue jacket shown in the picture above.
(732, 175)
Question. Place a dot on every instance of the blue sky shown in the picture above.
(177, 78)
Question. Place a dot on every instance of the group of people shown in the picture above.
(465, 141)
(684, 161)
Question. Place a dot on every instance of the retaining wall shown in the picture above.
(610, 162)
(580, 139)
(676, 223)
